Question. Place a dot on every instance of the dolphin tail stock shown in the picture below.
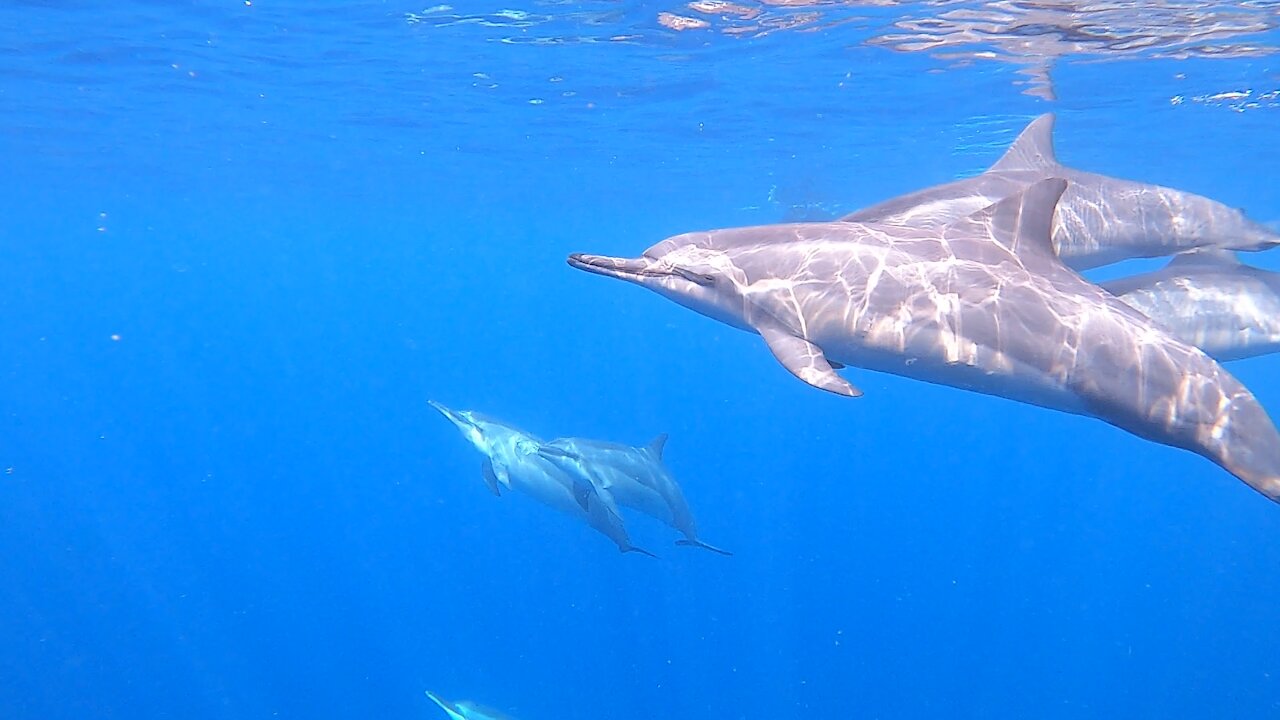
(694, 542)
(1243, 440)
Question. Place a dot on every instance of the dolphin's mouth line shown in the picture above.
(614, 267)
(552, 452)
(638, 268)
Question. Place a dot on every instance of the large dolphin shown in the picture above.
(982, 304)
(1208, 298)
(512, 461)
(633, 476)
(1100, 220)
(467, 710)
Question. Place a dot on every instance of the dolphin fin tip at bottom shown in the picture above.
(699, 544)
(642, 551)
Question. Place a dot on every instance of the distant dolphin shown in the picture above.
(512, 461)
(467, 710)
(983, 304)
(1100, 220)
(635, 476)
(1208, 298)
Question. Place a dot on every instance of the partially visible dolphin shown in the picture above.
(1208, 298)
(467, 710)
(1100, 220)
(982, 304)
(512, 461)
(633, 476)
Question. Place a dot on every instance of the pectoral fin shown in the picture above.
(490, 478)
(582, 492)
(806, 361)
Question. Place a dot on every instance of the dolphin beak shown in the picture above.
(452, 416)
(623, 268)
(635, 270)
(632, 269)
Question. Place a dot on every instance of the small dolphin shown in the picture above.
(512, 461)
(467, 710)
(1100, 220)
(634, 476)
(982, 304)
(1208, 298)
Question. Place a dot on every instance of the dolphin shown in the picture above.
(512, 462)
(1208, 298)
(982, 304)
(1100, 220)
(467, 710)
(633, 476)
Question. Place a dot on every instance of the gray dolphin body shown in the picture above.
(1100, 220)
(1208, 298)
(633, 476)
(467, 710)
(512, 461)
(982, 304)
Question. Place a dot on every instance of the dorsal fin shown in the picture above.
(1024, 222)
(1214, 257)
(658, 443)
(1033, 150)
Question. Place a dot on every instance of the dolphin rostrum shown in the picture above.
(982, 304)
(633, 476)
(467, 710)
(1208, 298)
(1100, 220)
(512, 461)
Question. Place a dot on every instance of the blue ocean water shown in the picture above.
(242, 243)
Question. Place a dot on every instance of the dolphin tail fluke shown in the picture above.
(693, 542)
(642, 551)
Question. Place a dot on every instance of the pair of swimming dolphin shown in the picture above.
(1206, 296)
(973, 284)
(585, 479)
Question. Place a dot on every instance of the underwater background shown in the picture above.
(243, 243)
